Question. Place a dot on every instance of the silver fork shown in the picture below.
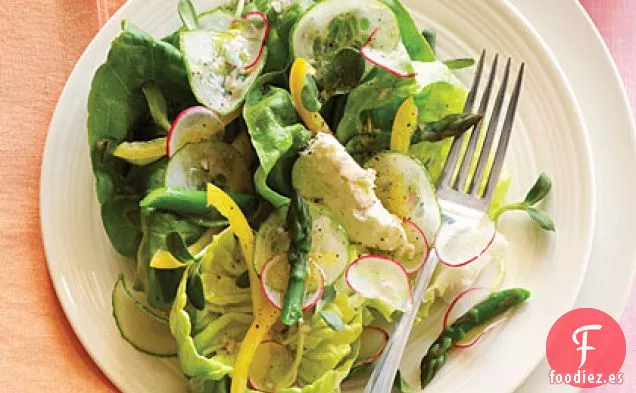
(461, 198)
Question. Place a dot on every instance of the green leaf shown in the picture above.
(333, 320)
(401, 385)
(343, 73)
(276, 134)
(161, 285)
(157, 105)
(120, 216)
(177, 247)
(379, 89)
(243, 281)
(195, 291)
(310, 95)
(539, 191)
(328, 296)
(458, 64)
(188, 14)
(541, 218)
(415, 43)
(430, 35)
(118, 111)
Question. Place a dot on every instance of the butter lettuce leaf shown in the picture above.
(276, 135)
(328, 355)
(379, 89)
(208, 340)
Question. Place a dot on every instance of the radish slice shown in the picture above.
(275, 278)
(273, 362)
(463, 302)
(373, 341)
(382, 278)
(462, 242)
(193, 125)
(395, 60)
(416, 258)
(258, 26)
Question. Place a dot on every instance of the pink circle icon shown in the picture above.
(586, 348)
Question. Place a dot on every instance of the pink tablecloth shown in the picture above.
(614, 19)
(41, 40)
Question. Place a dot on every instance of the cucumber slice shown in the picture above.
(223, 65)
(335, 24)
(195, 165)
(396, 60)
(218, 20)
(273, 363)
(140, 325)
(404, 187)
(329, 248)
(275, 279)
(381, 278)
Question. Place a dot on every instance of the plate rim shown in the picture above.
(528, 29)
(615, 305)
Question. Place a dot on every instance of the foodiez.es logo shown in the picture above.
(586, 348)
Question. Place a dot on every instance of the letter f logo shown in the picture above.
(584, 348)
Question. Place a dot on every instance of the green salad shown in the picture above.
(269, 168)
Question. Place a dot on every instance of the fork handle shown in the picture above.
(383, 376)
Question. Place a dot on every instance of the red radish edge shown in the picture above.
(426, 245)
(251, 384)
(360, 259)
(450, 308)
(176, 121)
(373, 357)
(384, 67)
(310, 304)
(471, 260)
(265, 35)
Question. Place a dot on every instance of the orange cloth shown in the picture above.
(41, 41)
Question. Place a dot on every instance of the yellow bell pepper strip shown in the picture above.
(265, 315)
(164, 260)
(141, 153)
(404, 125)
(222, 202)
(313, 120)
(203, 241)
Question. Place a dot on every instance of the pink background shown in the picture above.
(41, 40)
(614, 19)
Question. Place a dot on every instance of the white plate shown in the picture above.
(549, 135)
(583, 56)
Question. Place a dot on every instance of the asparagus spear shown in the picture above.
(299, 227)
(448, 127)
(188, 201)
(493, 306)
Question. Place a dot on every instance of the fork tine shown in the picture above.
(484, 155)
(460, 181)
(504, 138)
(453, 154)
